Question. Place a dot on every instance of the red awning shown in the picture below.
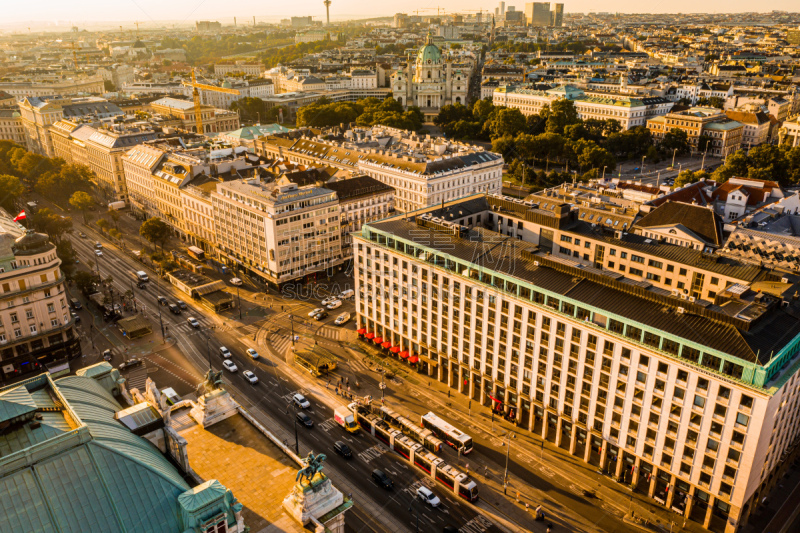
(362, 331)
(403, 354)
(413, 359)
(395, 349)
(377, 340)
(495, 399)
(370, 335)
(386, 344)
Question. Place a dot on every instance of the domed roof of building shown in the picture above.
(429, 53)
(226, 84)
(32, 243)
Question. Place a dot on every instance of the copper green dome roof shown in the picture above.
(429, 53)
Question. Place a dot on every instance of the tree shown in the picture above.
(12, 191)
(714, 101)
(84, 281)
(155, 230)
(561, 114)
(736, 164)
(60, 186)
(506, 122)
(109, 86)
(114, 214)
(504, 145)
(82, 202)
(67, 254)
(56, 226)
(676, 139)
(250, 109)
(103, 224)
(687, 177)
(115, 234)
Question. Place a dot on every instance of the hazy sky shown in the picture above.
(77, 11)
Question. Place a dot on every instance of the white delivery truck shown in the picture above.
(344, 417)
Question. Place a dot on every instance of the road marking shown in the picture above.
(372, 452)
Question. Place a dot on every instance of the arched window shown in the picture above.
(429, 74)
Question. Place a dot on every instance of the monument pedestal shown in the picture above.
(213, 407)
(312, 499)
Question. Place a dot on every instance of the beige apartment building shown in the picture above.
(278, 231)
(38, 116)
(692, 399)
(214, 120)
(11, 128)
(724, 135)
(36, 328)
(72, 87)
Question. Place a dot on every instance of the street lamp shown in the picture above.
(703, 163)
(642, 169)
(675, 151)
(507, 444)
(604, 173)
(240, 302)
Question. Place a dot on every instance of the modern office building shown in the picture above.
(670, 367)
(557, 15)
(537, 14)
(276, 230)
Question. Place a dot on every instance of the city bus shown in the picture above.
(447, 432)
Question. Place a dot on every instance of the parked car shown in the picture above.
(224, 352)
(334, 305)
(98, 253)
(380, 477)
(342, 319)
(174, 309)
(182, 304)
(252, 353)
(342, 449)
(133, 361)
(300, 401)
(75, 316)
(193, 322)
(249, 376)
(315, 311)
(328, 300)
(230, 365)
(304, 419)
(349, 293)
(236, 281)
(425, 494)
(321, 316)
(75, 303)
(162, 300)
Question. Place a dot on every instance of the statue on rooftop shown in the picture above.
(212, 381)
(313, 466)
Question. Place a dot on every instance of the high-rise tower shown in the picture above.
(328, 10)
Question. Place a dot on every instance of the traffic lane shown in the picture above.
(368, 452)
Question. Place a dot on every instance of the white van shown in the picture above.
(142, 276)
(346, 294)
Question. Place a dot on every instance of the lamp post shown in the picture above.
(208, 350)
(239, 302)
(703, 163)
(642, 169)
(604, 173)
(291, 321)
(296, 442)
(507, 444)
(416, 512)
(675, 151)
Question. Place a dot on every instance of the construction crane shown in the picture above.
(198, 115)
(439, 10)
(75, 55)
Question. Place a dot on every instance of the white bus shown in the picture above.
(447, 432)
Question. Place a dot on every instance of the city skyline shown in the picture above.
(148, 12)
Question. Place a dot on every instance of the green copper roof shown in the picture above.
(429, 52)
(16, 403)
(198, 497)
(96, 477)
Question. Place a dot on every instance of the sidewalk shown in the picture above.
(552, 477)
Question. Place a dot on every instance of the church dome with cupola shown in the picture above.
(429, 54)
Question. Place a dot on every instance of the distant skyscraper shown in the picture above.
(558, 15)
(537, 13)
(502, 8)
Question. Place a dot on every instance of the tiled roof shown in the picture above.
(701, 221)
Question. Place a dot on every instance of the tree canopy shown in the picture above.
(155, 230)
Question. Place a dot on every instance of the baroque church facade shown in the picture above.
(430, 81)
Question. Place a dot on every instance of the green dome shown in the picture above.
(429, 53)
(226, 84)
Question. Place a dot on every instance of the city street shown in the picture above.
(266, 326)
(181, 361)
